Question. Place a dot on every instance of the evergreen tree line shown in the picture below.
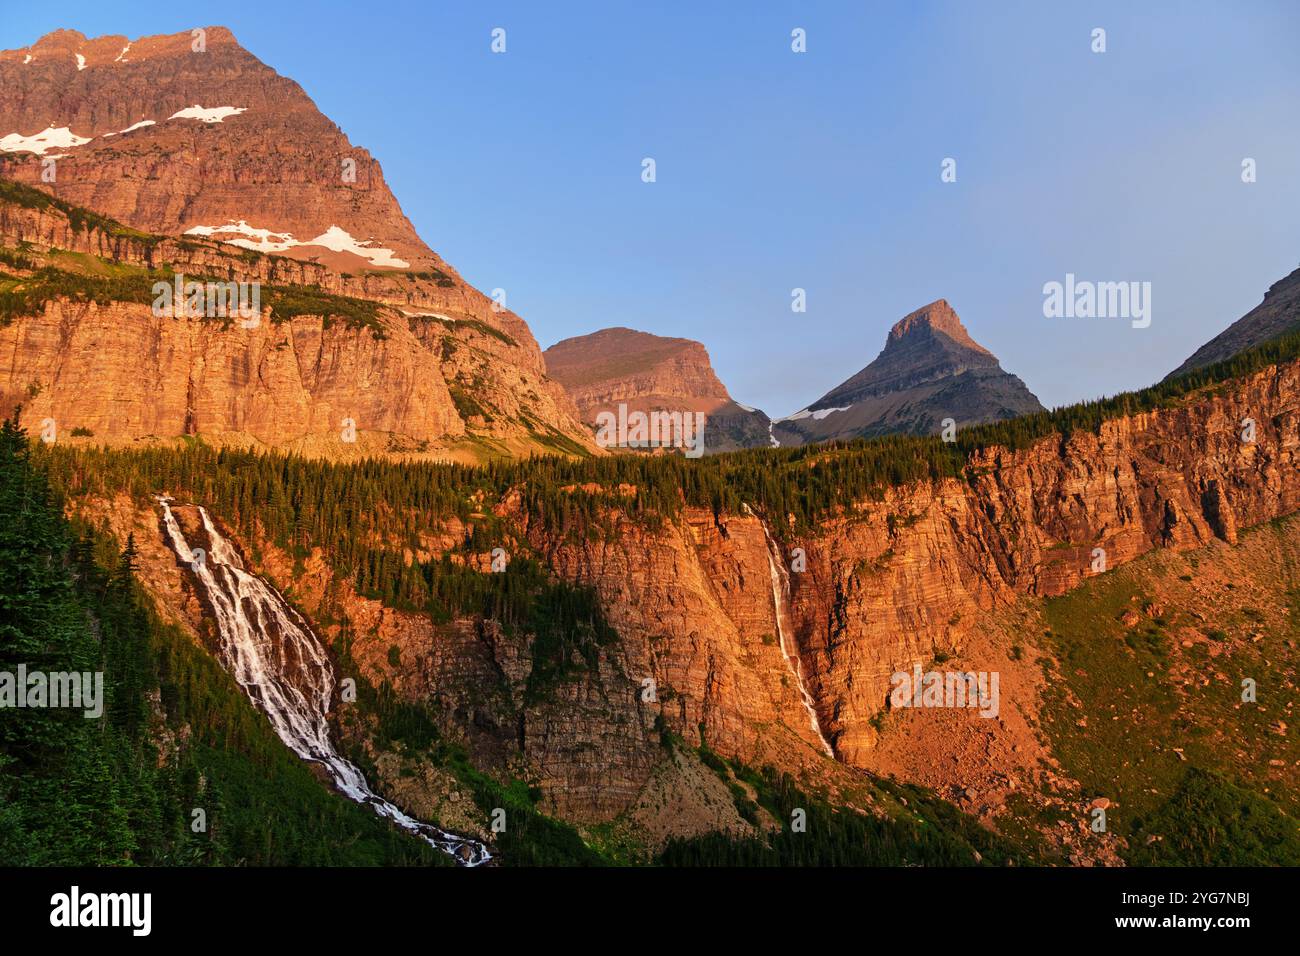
(352, 510)
(176, 735)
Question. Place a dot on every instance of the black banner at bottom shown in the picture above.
(337, 906)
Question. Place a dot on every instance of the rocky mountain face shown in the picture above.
(1278, 314)
(930, 369)
(185, 133)
(647, 373)
(934, 571)
(233, 188)
(899, 581)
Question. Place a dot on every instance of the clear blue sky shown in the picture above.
(820, 170)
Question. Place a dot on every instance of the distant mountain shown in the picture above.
(930, 369)
(191, 136)
(1277, 314)
(648, 373)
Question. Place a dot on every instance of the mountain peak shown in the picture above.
(235, 151)
(647, 372)
(610, 360)
(938, 316)
(930, 369)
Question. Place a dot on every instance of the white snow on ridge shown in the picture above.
(339, 240)
(81, 62)
(816, 416)
(27, 59)
(259, 240)
(133, 127)
(52, 138)
(429, 315)
(334, 238)
(63, 137)
(212, 114)
(122, 54)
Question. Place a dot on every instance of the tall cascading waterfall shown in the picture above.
(780, 594)
(274, 656)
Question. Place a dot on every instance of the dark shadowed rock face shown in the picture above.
(249, 147)
(1279, 313)
(649, 373)
(930, 369)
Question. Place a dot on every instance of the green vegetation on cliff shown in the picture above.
(1144, 703)
(920, 830)
(177, 734)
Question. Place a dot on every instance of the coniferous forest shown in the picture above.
(177, 734)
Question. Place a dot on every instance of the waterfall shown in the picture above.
(273, 655)
(780, 594)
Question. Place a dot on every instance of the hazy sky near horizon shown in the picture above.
(820, 170)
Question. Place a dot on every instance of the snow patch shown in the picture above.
(259, 240)
(816, 416)
(334, 238)
(212, 114)
(745, 407)
(133, 127)
(122, 54)
(52, 138)
(27, 59)
(429, 315)
(81, 62)
(339, 240)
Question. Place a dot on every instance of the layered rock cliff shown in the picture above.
(204, 159)
(437, 371)
(649, 373)
(930, 370)
(923, 575)
(897, 582)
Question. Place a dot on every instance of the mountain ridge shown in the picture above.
(930, 369)
(1277, 314)
(162, 141)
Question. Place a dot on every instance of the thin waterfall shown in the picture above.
(273, 655)
(780, 604)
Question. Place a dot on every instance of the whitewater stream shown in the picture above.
(780, 602)
(273, 655)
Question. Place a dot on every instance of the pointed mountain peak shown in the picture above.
(938, 316)
(929, 370)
